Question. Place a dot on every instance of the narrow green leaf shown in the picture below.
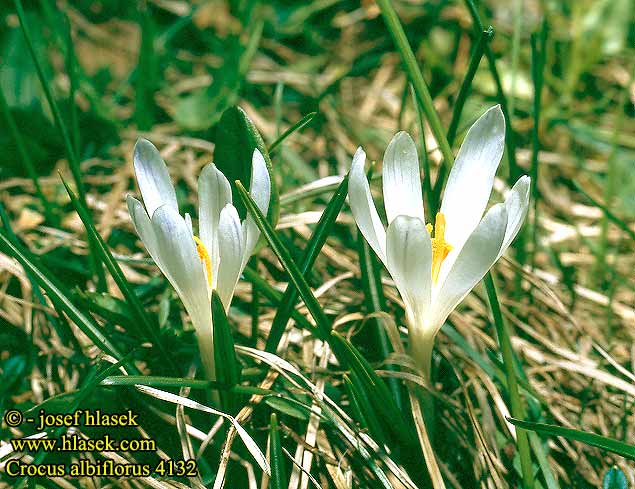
(364, 406)
(409, 61)
(346, 353)
(274, 296)
(26, 159)
(375, 302)
(484, 38)
(514, 169)
(614, 479)
(278, 479)
(312, 250)
(147, 327)
(57, 293)
(620, 223)
(604, 442)
(236, 139)
(228, 370)
(538, 46)
(155, 381)
(295, 127)
(375, 390)
(517, 407)
(294, 273)
(59, 122)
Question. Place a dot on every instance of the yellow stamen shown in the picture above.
(440, 247)
(205, 259)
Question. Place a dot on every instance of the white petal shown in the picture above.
(153, 177)
(402, 179)
(409, 253)
(182, 266)
(188, 223)
(477, 256)
(260, 191)
(470, 181)
(363, 207)
(517, 205)
(230, 243)
(143, 226)
(214, 193)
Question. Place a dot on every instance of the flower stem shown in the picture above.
(517, 408)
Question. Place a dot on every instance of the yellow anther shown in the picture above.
(440, 247)
(205, 259)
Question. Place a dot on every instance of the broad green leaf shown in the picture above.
(605, 443)
(236, 139)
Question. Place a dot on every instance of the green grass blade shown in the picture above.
(295, 127)
(375, 302)
(538, 43)
(604, 442)
(57, 293)
(228, 368)
(278, 479)
(466, 86)
(312, 250)
(274, 296)
(178, 382)
(375, 389)
(71, 154)
(294, 273)
(620, 223)
(343, 350)
(409, 60)
(510, 141)
(147, 327)
(26, 159)
(615, 479)
(517, 407)
(71, 68)
(59, 122)
(363, 405)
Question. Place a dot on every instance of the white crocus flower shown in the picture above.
(435, 266)
(196, 265)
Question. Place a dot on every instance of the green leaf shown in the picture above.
(236, 139)
(346, 353)
(375, 390)
(614, 479)
(295, 127)
(201, 109)
(147, 327)
(599, 441)
(57, 293)
(312, 250)
(363, 406)
(278, 478)
(228, 370)
(288, 407)
(294, 273)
